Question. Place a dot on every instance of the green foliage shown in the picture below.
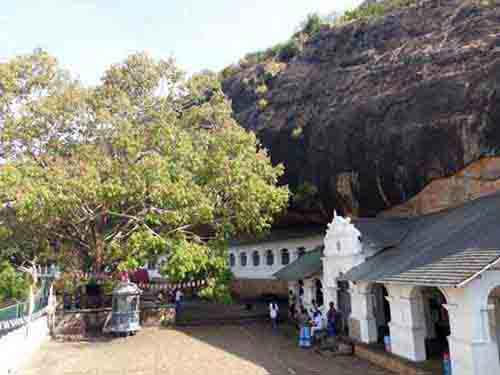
(218, 289)
(13, 284)
(229, 71)
(297, 133)
(146, 164)
(288, 50)
(374, 10)
(261, 89)
(304, 192)
(312, 24)
(262, 104)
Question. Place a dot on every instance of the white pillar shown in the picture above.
(308, 293)
(472, 349)
(362, 322)
(407, 326)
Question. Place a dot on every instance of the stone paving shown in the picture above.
(224, 350)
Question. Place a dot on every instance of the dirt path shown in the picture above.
(231, 350)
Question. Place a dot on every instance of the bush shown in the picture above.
(229, 72)
(304, 192)
(312, 24)
(297, 133)
(262, 104)
(375, 10)
(261, 89)
(218, 289)
(289, 50)
(13, 284)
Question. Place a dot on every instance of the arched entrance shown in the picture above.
(381, 310)
(318, 295)
(494, 317)
(344, 306)
(437, 323)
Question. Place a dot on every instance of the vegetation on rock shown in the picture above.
(393, 96)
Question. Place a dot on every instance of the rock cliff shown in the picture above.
(369, 113)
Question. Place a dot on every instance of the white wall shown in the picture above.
(16, 347)
(263, 271)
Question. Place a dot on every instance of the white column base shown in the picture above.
(368, 330)
(408, 342)
(480, 358)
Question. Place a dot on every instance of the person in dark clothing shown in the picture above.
(331, 317)
(292, 301)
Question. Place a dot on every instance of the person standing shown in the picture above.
(51, 310)
(317, 323)
(304, 326)
(292, 300)
(330, 317)
(178, 301)
(273, 313)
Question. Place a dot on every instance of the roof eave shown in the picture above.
(479, 273)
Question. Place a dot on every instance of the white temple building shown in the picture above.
(430, 283)
(255, 262)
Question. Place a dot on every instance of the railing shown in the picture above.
(14, 311)
(16, 315)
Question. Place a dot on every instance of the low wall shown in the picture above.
(388, 361)
(256, 288)
(18, 345)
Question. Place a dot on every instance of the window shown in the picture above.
(243, 259)
(301, 251)
(269, 257)
(256, 258)
(232, 260)
(285, 257)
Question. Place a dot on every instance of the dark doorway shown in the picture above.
(344, 306)
(319, 292)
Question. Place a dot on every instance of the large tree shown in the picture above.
(145, 164)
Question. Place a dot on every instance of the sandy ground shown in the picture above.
(231, 350)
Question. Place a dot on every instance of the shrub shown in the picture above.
(13, 284)
(375, 10)
(218, 288)
(261, 89)
(289, 50)
(312, 24)
(229, 72)
(304, 192)
(262, 104)
(256, 57)
(297, 133)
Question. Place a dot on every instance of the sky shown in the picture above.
(89, 35)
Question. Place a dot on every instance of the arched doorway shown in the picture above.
(494, 317)
(344, 306)
(318, 295)
(437, 322)
(381, 311)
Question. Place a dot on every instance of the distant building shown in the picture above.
(254, 262)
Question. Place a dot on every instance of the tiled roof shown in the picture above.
(281, 234)
(303, 267)
(431, 251)
(452, 270)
